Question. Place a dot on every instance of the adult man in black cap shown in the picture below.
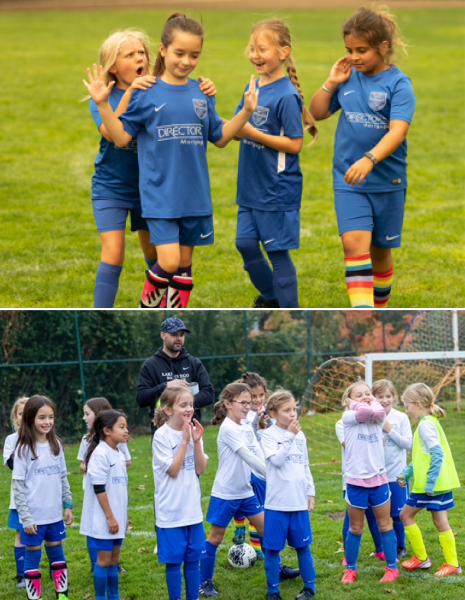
(173, 365)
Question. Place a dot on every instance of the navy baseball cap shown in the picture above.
(172, 325)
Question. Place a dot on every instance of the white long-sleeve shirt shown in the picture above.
(396, 443)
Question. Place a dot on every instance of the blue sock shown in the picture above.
(374, 529)
(207, 565)
(106, 285)
(390, 548)
(55, 553)
(100, 582)
(352, 549)
(174, 581)
(285, 279)
(345, 529)
(400, 532)
(307, 570)
(113, 583)
(257, 267)
(150, 262)
(272, 562)
(192, 579)
(20, 555)
(32, 560)
(93, 552)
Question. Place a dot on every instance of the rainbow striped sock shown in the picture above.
(254, 538)
(359, 280)
(382, 283)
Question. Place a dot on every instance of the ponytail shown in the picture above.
(105, 419)
(175, 22)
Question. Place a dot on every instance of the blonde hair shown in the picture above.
(279, 34)
(422, 393)
(274, 402)
(175, 22)
(111, 48)
(231, 391)
(385, 384)
(375, 26)
(21, 401)
(168, 400)
(350, 389)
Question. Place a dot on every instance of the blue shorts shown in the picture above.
(221, 512)
(13, 520)
(111, 215)
(188, 231)
(431, 503)
(399, 497)
(382, 214)
(291, 526)
(362, 497)
(181, 544)
(259, 488)
(277, 230)
(105, 545)
(54, 532)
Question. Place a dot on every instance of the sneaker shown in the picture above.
(344, 561)
(260, 302)
(207, 589)
(288, 573)
(349, 576)
(239, 535)
(121, 569)
(20, 582)
(305, 593)
(446, 570)
(379, 555)
(401, 553)
(390, 575)
(62, 596)
(273, 596)
(260, 555)
(415, 563)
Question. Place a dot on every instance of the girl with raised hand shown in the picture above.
(41, 491)
(369, 164)
(172, 122)
(178, 460)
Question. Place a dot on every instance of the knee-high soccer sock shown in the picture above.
(374, 529)
(20, 555)
(306, 567)
(254, 538)
(390, 548)
(106, 285)
(100, 582)
(32, 574)
(174, 580)
(382, 283)
(180, 288)
(415, 539)
(56, 556)
(447, 541)
(192, 579)
(400, 532)
(239, 522)
(345, 530)
(93, 552)
(353, 542)
(285, 279)
(113, 583)
(150, 262)
(207, 565)
(272, 570)
(156, 283)
(359, 280)
(257, 267)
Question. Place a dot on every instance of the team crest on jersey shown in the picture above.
(260, 115)
(300, 445)
(377, 100)
(249, 437)
(200, 107)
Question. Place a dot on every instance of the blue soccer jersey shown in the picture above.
(116, 169)
(269, 180)
(369, 103)
(172, 124)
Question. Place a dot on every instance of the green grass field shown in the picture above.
(49, 247)
(145, 577)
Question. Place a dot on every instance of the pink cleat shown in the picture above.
(344, 561)
(349, 576)
(378, 555)
(390, 575)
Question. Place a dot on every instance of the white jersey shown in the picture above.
(8, 449)
(232, 480)
(364, 451)
(106, 467)
(290, 483)
(42, 479)
(177, 499)
(396, 443)
(84, 446)
(340, 437)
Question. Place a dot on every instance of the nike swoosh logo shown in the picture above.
(392, 238)
(113, 465)
(62, 532)
(157, 108)
(207, 235)
(268, 241)
(306, 539)
(174, 447)
(185, 368)
(345, 93)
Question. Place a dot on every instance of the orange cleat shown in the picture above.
(415, 563)
(446, 570)
(349, 576)
(390, 575)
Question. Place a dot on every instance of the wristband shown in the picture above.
(67, 504)
(327, 91)
(373, 158)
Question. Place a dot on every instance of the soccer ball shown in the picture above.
(242, 556)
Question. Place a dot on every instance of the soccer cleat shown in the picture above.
(415, 563)
(344, 561)
(288, 573)
(349, 576)
(239, 535)
(20, 582)
(260, 555)
(305, 593)
(62, 597)
(446, 570)
(390, 575)
(401, 553)
(153, 293)
(179, 291)
(379, 555)
(260, 302)
(207, 589)
(273, 596)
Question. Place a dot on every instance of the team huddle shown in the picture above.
(152, 160)
(263, 476)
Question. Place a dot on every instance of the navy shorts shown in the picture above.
(277, 230)
(399, 497)
(293, 527)
(363, 497)
(13, 520)
(432, 503)
(105, 545)
(181, 544)
(54, 532)
(382, 214)
(188, 231)
(221, 512)
(109, 217)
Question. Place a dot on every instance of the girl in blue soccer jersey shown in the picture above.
(125, 59)
(172, 122)
(41, 491)
(269, 180)
(369, 165)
